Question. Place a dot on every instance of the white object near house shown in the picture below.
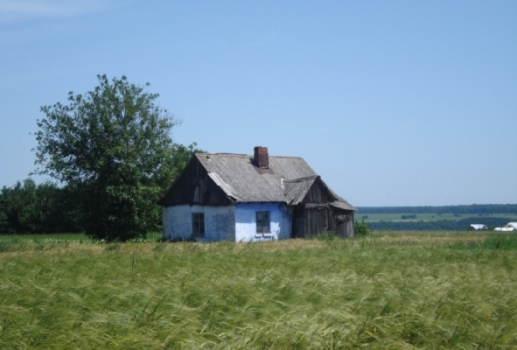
(251, 198)
(511, 226)
(477, 227)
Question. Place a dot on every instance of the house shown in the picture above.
(246, 198)
(511, 226)
(477, 227)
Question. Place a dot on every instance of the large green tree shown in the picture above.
(113, 146)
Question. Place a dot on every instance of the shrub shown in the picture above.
(361, 229)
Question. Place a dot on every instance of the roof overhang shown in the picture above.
(342, 205)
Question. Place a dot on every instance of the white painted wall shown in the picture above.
(246, 226)
(219, 222)
(236, 223)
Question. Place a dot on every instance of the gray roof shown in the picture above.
(288, 179)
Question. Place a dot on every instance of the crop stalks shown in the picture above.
(386, 291)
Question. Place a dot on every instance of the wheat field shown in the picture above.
(389, 291)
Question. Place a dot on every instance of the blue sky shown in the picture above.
(391, 102)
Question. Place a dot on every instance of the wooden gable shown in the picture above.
(195, 187)
(318, 194)
(314, 214)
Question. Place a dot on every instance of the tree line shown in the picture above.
(110, 156)
(30, 208)
(27, 207)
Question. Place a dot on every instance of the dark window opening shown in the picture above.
(263, 223)
(198, 225)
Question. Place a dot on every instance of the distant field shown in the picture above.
(394, 290)
(417, 218)
(427, 217)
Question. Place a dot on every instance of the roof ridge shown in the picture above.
(300, 179)
(221, 154)
(243, 155)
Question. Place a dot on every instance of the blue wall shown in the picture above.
(246, 226)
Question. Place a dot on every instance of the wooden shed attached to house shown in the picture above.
(252, 198)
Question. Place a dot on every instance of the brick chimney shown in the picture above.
(261, 157)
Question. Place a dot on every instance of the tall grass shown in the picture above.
(393, 292)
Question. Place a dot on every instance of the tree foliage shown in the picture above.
(113, 147)
(30, 208)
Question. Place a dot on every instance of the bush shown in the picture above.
(361, 229)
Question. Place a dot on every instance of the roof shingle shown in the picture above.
(287, 180)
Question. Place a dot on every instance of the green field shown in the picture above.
(394, 290)
(60, 238)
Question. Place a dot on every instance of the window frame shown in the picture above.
(198, 225)
(263, 221)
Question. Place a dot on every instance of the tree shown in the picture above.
(18, 207)
(112, 146)
(30, 208)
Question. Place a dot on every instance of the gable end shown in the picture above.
(195, 186)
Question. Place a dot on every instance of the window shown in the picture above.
(198, 225)
(262, 218)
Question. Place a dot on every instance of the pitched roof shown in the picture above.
(288, 179)
(512, 224)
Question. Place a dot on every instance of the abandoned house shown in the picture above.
(252, 198)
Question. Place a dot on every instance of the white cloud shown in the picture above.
(21, 10)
